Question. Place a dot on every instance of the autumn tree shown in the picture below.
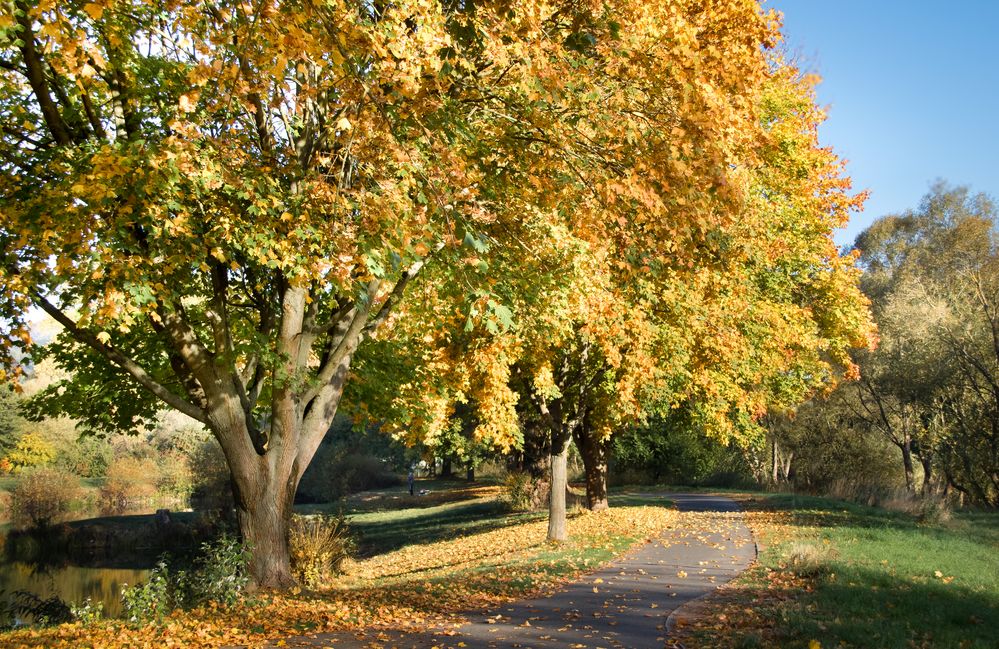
(219, 203)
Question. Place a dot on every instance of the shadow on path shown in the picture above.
(623, 605)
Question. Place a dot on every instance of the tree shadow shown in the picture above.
(391, 533)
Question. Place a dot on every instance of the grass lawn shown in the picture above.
(843, 575)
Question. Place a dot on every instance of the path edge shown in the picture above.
(679, 611)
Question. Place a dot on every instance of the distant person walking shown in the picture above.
(412, 479)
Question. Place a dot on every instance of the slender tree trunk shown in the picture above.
(906, 447)
(446, 470)
(927, 463)
(594, 453)
(470, 474)
(774, 462)
(557, 530)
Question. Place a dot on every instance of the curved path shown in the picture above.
(623, 605)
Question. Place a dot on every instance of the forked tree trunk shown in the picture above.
(594, 453)
(557, 529)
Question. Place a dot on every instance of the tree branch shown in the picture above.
(117, 357)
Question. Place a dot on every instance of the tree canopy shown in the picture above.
(223, 204)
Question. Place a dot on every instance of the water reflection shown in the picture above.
(81, 558)
(72, 584)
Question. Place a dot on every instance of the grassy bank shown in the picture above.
(835, 574)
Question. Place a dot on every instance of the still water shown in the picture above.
(72, 578)
(72, 584)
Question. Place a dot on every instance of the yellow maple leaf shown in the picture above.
(94, 10)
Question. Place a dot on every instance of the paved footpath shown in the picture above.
(624, 605)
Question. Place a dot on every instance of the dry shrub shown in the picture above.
(807, 559)
(524, 492)
(318, 545)
(42, 496)
(131, 482)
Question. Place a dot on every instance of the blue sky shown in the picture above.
(912, 88)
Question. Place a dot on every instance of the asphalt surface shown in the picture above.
(624, 605)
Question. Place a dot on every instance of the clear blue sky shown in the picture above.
(912, 88)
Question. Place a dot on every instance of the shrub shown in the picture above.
(149, 601)
(806, 559)
(87, 457)
(130, 482)
(87, 612)
(524, 492)
(318, 546)
(174, 477)
(31, 450)
(221, 572)
(42, 496)
(42, 612)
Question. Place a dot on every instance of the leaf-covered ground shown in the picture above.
(413, 586)
(836, 575)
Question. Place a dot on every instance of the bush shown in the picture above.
(807, 560)
(149, 601)
(42, 496)
(318, 545)
(525, 493)
(174, 477)
(330, 478)
(87, 457)
(130, 482)
(87, 612)
(221, 573)
(32, 450)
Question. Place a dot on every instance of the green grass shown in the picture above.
(885, 579)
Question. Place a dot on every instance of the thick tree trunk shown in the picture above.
(557, 529)
(446, 470)
(594, 453)
(263, 524)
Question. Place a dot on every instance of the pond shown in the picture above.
(87, 558)
(71, 584)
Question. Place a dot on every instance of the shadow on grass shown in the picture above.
(863, 607)
(387, 531)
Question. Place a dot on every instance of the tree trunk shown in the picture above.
(446, 470)
(774, 462)
(927, 462)
(906, 447)
(557, 530)
(470, 474)
(263, 523)
(594, 453)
